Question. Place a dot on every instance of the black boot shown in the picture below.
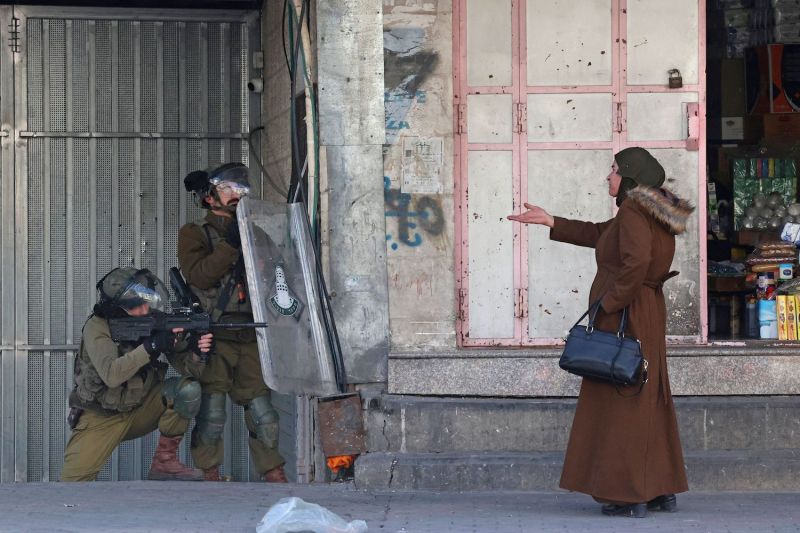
(667, 502)
(636, 510)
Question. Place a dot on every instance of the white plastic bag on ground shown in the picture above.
(294, 514)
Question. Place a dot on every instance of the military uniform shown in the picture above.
(123, 396)
(209, 264)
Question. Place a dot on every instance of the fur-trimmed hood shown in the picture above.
(665, 207)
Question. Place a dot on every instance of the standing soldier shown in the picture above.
(120, 392)
(211, 260)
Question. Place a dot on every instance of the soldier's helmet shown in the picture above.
(127, 288)
(234, 176)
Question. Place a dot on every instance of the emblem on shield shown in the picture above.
(283, 301)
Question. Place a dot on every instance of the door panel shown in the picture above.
(577, 52)
(657, 41)
(489, 118)
(489, 47)
(7, 264)
(569, 117)
(683, 293)
(491, 252)
(662, 36)
(658, 116)
(571, 183)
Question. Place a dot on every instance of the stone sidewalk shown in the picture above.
(231, 507)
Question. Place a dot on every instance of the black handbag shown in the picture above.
(603, 355)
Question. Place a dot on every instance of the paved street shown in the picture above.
(232, 507)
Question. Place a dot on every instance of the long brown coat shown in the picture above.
(626, 450)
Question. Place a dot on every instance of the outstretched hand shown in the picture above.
(534, 215)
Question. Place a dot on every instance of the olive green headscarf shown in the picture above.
(637, 167)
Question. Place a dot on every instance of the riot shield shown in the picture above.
(282, 279)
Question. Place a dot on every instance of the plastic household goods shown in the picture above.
(768, 319)
(751, 318)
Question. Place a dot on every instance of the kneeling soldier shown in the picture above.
(119, 391)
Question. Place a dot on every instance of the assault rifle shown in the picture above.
(189, 317)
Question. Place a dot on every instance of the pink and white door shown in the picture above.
(546, 91)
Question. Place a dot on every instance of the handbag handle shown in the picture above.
(592, 313)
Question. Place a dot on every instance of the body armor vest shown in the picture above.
(210, 298)
(91, 392)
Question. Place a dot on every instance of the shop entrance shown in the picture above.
(546, 93)
(753, 131)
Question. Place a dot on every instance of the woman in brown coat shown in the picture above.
(625, 450)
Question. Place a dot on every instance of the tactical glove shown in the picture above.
(232, 236)
(158, 343)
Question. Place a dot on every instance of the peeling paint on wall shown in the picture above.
(410, 6)
(418, 172)
(407, 64)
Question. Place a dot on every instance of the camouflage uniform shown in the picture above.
(208, 263)
(123, 396)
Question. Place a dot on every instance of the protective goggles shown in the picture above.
(232, 187)
(144, 288)
(235, 180)
(138, 294)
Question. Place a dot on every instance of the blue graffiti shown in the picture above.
(397, 125)
(397, 104)
(419, 96)
(427, 212)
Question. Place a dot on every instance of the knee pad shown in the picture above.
(211, 418)
(183, 396)
(262, 421)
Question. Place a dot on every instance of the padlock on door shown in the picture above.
(675, 79)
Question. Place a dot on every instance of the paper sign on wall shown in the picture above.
(422, 165)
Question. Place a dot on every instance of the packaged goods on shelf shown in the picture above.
(768, 319)
(754, 179)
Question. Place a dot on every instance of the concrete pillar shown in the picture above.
(351, 119)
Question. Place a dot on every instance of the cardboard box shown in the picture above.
(782, 311)
(772, 78)
(781, 127)
(791, 317)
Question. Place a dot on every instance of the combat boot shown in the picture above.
(165, 465)
(211, 474)
(275, 475)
